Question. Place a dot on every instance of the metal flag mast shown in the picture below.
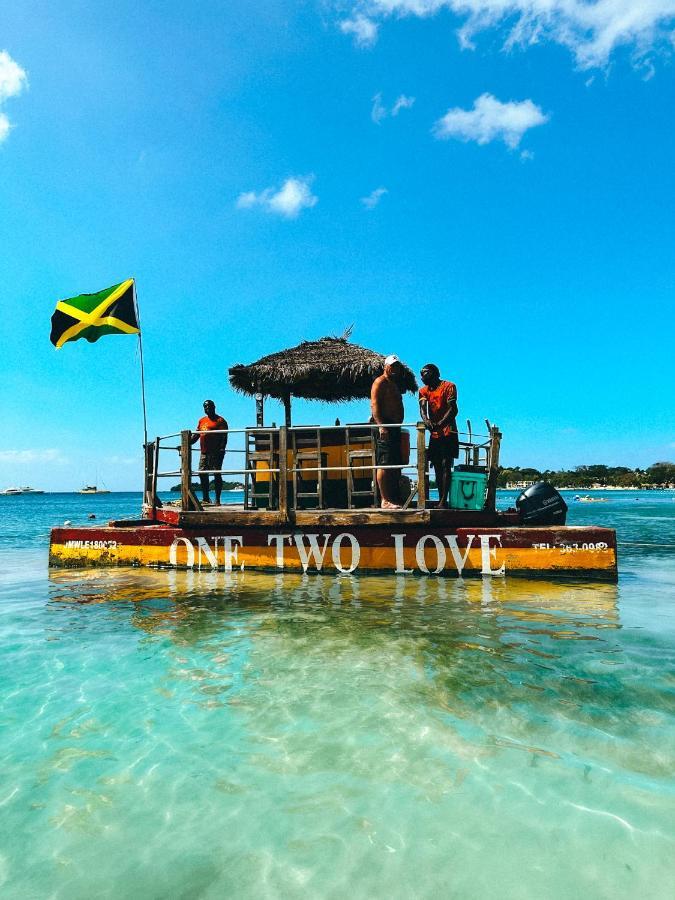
(140, 352)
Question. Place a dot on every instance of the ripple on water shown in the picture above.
(173, 734)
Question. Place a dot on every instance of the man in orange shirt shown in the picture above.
(438, 408)
(212, 448)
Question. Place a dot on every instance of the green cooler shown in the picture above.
(467, 489)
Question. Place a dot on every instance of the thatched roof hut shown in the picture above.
(331, 369)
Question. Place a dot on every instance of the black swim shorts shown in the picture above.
(213, 460)
(388, 448)
(444, 448)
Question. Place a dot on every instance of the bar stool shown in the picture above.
(360, 458)
(365, 461)
(307, 449)
(260, 449)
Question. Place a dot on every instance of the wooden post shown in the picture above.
(421, 466)
(155, 468)
(287, 409)
(148, 477)
(283, 476)
(185, 470)
(348, 470)
(495, 443)
(319, 474)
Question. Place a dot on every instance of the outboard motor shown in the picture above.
(541, 504)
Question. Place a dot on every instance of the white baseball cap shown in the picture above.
(391, 359)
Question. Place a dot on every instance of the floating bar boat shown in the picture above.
(311, 504)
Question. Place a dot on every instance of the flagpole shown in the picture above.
(140, 353)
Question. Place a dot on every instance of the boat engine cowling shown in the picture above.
(541, 504)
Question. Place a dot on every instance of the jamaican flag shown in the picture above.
(90, 316)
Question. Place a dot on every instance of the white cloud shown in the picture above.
(402, 102)
(294, 195)
(23, 457)
(380, 111)
(590, 29)
(490, 120)
(248, 199)
(13, 79)
(374, 197)
(363, 29)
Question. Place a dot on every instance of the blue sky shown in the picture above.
(519, 229)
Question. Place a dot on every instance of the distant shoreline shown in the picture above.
(585, 490)
(606, 487)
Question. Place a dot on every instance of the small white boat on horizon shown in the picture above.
(15, 491)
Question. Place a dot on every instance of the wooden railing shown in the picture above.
(484, 453)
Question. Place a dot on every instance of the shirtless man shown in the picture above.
(386, 406)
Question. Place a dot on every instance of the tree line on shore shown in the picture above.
(660, 474)
(196, 486)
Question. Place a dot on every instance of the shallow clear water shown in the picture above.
(174, 734)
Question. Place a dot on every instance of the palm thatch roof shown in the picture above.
(331, 369)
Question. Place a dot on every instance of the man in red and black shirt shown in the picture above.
(438, 408)
(212, 448)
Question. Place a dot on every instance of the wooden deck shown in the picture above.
(231, 516)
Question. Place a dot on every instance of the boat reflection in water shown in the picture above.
(182, 603)
(465, 649)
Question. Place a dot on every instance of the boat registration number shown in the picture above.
(572, 548)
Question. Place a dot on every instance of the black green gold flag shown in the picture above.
(90, 316)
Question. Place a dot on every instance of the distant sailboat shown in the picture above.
(93, 488)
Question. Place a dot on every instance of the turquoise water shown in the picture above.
(175, 734)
